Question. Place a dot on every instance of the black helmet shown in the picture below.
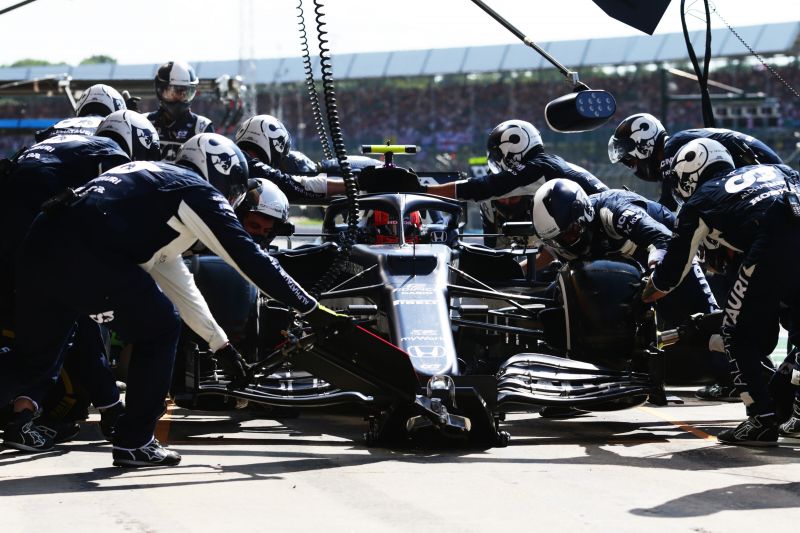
(218, 160)
(266, 136)
(99, 100)
(134, 134)
(637, 143)
(176, 86)
(562, 214)
(509, 144)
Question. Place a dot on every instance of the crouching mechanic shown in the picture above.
(580, 226)
(264, 212)
(47, 169)
(754, 210)
(114, 253)
(266, 142)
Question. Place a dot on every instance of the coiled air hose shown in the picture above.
(319, 123)
(347, 239)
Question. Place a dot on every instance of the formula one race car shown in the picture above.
(448, 336)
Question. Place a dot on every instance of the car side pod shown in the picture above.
(532, 379)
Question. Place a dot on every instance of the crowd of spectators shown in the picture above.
(451, 116)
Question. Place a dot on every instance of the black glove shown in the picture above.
(233, 364)
(131, 102)
(323, 320)
(389, 179)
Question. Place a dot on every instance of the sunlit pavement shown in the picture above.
(644, 469)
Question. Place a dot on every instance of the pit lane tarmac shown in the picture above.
(644, 469)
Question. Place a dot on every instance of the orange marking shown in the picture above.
(699, 433)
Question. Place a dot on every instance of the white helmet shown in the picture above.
(696, 161)
(218, 160)
(266, 136)
(133, 133)
(509, 143)
(99, 100)
(562, 217)
(266, 198)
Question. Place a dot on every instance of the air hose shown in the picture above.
(319, 123)
(347, 239)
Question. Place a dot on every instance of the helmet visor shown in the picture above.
(178, 93)
(570, 236)
(619, 150)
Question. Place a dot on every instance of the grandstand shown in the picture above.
(446, 100)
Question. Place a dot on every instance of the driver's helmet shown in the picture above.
(510, 143)
(133, 133)
(636, 143)
(99, 100)
(218, 160)
(263, 210)
(697, 161)
(176, 85)
(385, 227)
(562, 216)
(266, 137)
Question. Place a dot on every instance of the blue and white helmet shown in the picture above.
(134, 134)
(562, 215)
(698, 160)
(509, 143)
(99, 100)
(266, 136)
(218, 160)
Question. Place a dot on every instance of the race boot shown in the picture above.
(718, 393)
(58, 430)
(791, 428)
(151, 454)
(757, 430)
(108, 419)
(22, 433)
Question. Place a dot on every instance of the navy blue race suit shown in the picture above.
(522, 181)
(744, 210)
(115, 255)
(745, 150)
(527, 178)
(70, 126)
(629, 224)
(173, 132)
(298, 189)
(42, 171)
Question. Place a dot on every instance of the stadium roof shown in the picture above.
(576, 54)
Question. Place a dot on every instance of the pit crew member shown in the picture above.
(752, 210)
(96, 102)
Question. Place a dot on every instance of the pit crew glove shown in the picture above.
(389, 179)
(322, 320)
(233, 364)
(131, 102)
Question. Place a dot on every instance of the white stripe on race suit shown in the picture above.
(196, 225)
(178, 285)
(699, 235)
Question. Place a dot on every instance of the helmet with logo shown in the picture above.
(133, 133)
(218, 160)
(562, 216)
(266, 137)
(176, 85)
(99, 100)
(510, 143)
(637, 143)
(263, 211)
(695, 162)
(384, 227)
